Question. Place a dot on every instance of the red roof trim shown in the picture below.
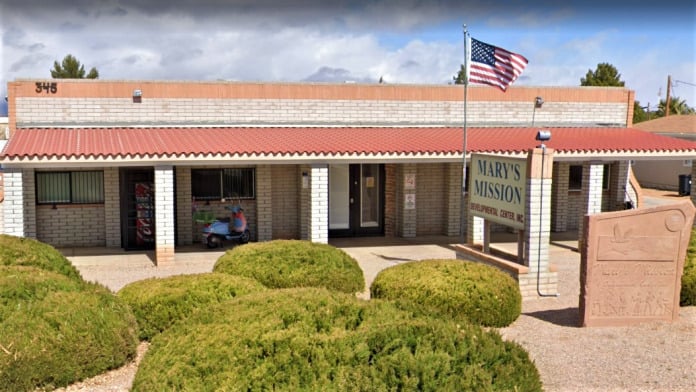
(327, 141)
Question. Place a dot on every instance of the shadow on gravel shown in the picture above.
(568, 317)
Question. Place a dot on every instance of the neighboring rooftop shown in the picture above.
(683, 123)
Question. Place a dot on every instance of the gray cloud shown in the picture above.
(29, 62)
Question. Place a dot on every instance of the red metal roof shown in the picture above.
(329, 141)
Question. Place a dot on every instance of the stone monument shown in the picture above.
(632, 263)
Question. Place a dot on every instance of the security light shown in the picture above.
(538, 102)
(543, 135)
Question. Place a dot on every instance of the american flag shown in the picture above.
(494, 66)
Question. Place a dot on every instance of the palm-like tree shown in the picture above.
(676, 106)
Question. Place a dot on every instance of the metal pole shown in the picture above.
(462, 222)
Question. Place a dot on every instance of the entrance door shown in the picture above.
(137, 209)
(356, 200)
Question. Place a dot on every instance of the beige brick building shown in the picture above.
(308, 161)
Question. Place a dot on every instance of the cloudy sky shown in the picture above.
(402, 41)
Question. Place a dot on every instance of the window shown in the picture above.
(606, 177)
(575, 178)
(83, 187)
(215, 184)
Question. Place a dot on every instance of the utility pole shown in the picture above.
(669, 95)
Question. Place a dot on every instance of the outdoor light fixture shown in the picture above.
(538, 102)
(543, 136)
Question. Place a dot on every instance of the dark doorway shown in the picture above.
(137, 209)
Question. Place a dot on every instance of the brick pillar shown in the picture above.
(592, 175)
(390, 201)
(164, 214)
(537, 226)
(13, 206)
(407, 182)
(112, 208)
(453, 187)
(184, 204)
(559, 197)
(264, 203)
(319, 212)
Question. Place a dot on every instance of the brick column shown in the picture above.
(264, 203)
(164, 214)
(390, 200)
(592, 175)
(453, 187)
(559, 197)
(184, 205)
(112, 208)
(408, 202)
(13, 209)
(319, 221)
(540, 281)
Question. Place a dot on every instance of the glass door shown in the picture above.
(356, 200)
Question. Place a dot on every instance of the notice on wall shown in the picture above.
(410, 201)
(410, 181)
(497, 189)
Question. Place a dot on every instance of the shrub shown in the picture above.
(29, 252)
(452, 288)
(159, 303)
(292, 263)
(687, 295)
(316, 340)
(55, 330)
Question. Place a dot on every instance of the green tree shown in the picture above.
(639, 114)
(71, 68)
(676, 106)
(459, 77)
(605, 75)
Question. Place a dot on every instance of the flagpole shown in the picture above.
(462, 223)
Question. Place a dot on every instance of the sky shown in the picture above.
(400, 41)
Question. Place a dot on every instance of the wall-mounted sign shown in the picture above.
(410, 181)
(497, 189)
(410, 201)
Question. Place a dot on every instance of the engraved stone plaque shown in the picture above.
(632, 262)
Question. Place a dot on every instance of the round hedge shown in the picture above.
(452, 288)
(159, 303)
(56, 331)
(687, 296)
(29, 252)
(317, 340)
(293, 263)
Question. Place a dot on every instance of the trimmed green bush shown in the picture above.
(292, 263)
(454, 289)
(311, 339)
(29, 252)
(55, 331)
(687, 295)
(159, 303)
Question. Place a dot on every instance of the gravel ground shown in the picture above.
(648, 357)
